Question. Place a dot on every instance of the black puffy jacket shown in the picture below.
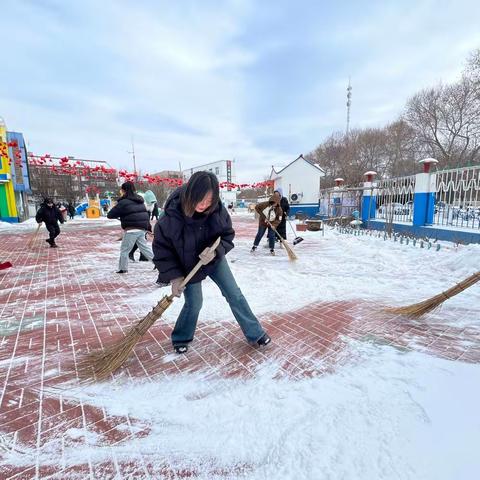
(132, 213)
(179, 239)
(49, 215)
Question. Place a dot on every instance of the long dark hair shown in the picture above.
(199, 184)
(129, 189)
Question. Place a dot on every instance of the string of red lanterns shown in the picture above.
(66, 166)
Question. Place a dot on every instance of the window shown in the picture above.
(217, 170)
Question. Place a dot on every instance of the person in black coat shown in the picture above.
(282, 226)
(50, 215)
(135, 220)
(193, 219)
(155, 211)
(71, 210)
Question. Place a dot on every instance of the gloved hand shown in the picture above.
(177, 289)
(207, 255)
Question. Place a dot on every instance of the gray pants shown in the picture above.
(129, 240)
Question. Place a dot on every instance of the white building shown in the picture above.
(225, 172)
(300, 182)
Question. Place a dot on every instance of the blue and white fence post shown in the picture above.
(424, 197)
(337, 197)
(369, 198)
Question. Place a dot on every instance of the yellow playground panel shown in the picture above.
(93, 209)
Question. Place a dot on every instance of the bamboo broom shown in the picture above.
(286, 246)
(101, 363)
(31, 242)
(418, 309)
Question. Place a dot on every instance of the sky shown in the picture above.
(194, 82)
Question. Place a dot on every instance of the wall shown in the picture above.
(8, 209)
(435, 233)
(302, 178)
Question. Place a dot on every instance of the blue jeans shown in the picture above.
(129, 240)
(261, 233)
(184, 329)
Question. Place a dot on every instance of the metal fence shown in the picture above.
(395, 199)
(457, 198)
(340, 202)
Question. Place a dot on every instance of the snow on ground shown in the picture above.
(340, 267)
(387, 415)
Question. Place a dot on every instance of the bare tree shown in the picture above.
(446, 120)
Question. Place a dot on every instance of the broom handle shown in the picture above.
(197, 267)
(275, 230)
(295, 233)
(34, 236)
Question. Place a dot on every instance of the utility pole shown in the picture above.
(349, 103)
(133, 157)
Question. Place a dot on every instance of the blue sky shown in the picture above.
(198, 81)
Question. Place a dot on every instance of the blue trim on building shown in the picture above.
(369, 207)
(309, 209)
(434, 233)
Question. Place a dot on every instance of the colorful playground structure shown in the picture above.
(14, 176)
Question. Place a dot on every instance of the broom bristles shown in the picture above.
(290, 252)
(99, 364)
(418, 309)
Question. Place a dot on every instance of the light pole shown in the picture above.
(133, 157)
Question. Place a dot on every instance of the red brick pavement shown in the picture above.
(55, 306)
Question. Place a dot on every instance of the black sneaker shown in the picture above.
(130, 256)
(265, 340)
(53, 245)
(272, 251)
(180, 348)
(253, 249)
(122, 271)
(143, 258)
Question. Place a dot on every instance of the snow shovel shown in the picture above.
(101, 363)
(296, 240)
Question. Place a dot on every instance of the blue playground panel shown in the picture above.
(79, 209)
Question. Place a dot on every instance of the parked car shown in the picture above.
(395, 208)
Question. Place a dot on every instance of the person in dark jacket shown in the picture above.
(193, 218)
(50, 215)
(285, 206)
(71, 210)
(135, 221)
(154, 211)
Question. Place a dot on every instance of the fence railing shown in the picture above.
(394, 199)
(448, 198)
(457, 197)
(341, 202)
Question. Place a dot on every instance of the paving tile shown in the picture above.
(54, 309)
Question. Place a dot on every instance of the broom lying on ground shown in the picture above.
(101, 363)
(286, 246)
(418, 309)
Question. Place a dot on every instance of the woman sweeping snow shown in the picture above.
(271, 215)
(193, 219)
